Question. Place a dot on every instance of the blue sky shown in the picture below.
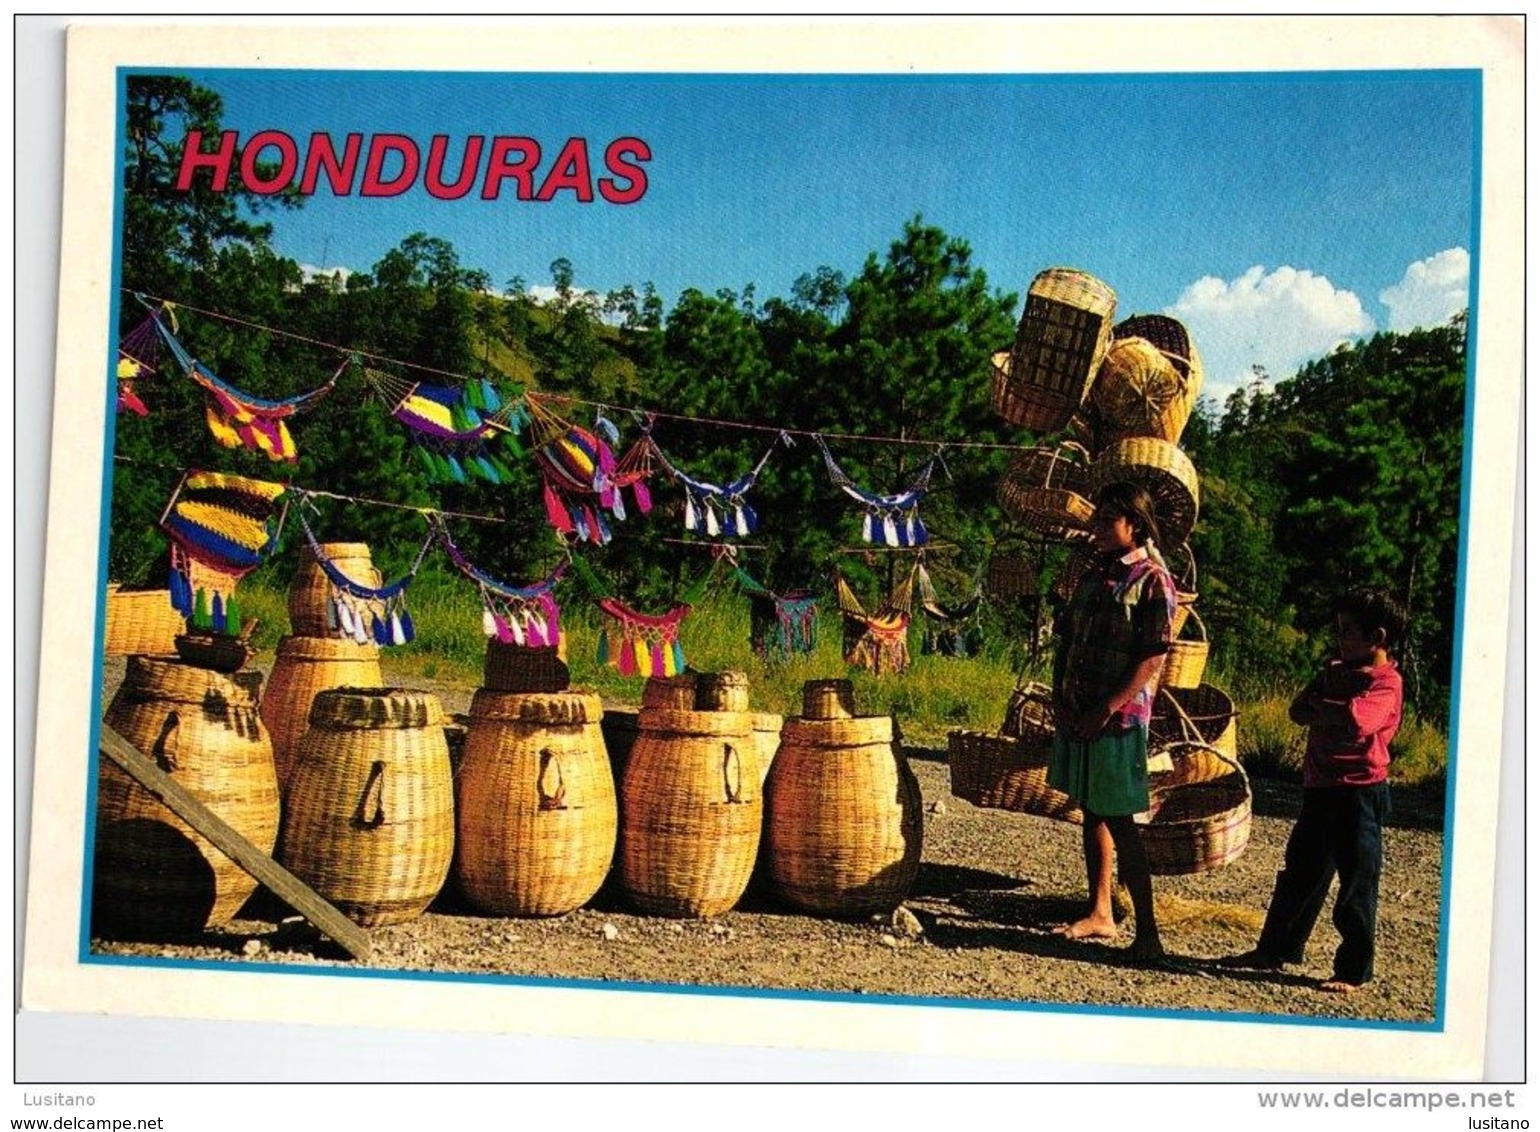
(1276, 215)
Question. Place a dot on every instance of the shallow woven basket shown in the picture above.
(1204, 715)
(310, 588)
(1163, 470)
(217, 652)
(1186, 658)
(1001, 773)
(535, 807)
(1196, 826)
(514, 668)
(1139, 392)
(690, 812)
(1045, 490)
(368, 816)
(1029, 713)
(140, 623)
(154, 877)
(1065, 329)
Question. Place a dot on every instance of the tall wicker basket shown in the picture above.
(369, 808)
(1196, 826)
(154, 876)
(303, 669)
(845, 825)
(535, 809)
(690, 812)
(310, 588)
(1065, 330)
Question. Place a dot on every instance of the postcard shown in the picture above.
(983, 538)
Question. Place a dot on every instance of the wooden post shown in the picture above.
(284, 884)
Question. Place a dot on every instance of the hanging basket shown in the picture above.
(1011, 574)
(1186, 586)
(1196, 715)
(1045, 490)
(1170, 337)
(1001, 773)
(1029, 713)
(1139, 392)
(1162, 469)
(1186, 659)
(1196, 827)
(1064, 333)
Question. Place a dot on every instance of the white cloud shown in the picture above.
(309, 271)
(1431, 292)
(1276, 320)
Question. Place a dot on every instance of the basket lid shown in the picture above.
(714, 724)
(371, 709)
(859, 731)
(556, 709)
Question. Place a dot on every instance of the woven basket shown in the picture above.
(1139, 392)
(1001, 773)
(1196, 715)
(619, 727)
(310, 588)
(154, 877)
(217, 652)
(1029, 713)
(1010, 575)
(1195, 827)
(1170, 337)
(1186, 586)
(1045, 490)
(303, 668)
(1186, 658)
(1064, 333)
(690, 813)
(722, 691)
(767, 740)
(845, 824)
(535, 810)
(369, 807)
(828, 699)
(669, 693)
(140, 623)
(1163, 470)
(520, 670)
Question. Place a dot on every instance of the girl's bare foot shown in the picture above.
(1338, 986)
(1091, 927)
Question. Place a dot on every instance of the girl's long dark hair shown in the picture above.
(1131, 502)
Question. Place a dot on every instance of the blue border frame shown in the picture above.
(1473, 75)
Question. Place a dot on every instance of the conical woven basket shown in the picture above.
(535, 804)
(369, 806)
(303, 668)
(1198, 826)
(1162, 469)
(845, 825)
(154, 877)
(1003, 773)
(310, 588)
(690, 812)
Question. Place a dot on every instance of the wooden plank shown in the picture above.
(288, 887)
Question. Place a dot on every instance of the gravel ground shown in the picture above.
(990, 885)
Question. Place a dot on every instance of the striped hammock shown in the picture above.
(454, 429)
(526, 616)
(221, 528)
(892, 520)
(878, 641)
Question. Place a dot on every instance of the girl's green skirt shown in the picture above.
(1108, 776)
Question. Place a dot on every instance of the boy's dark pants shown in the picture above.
(1338, 831)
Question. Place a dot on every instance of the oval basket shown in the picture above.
(1162, 469)
(1139, 392)
(1186, 659)
(1196, 827)
(1001, 773)
(1045, 490)
(1203, 715)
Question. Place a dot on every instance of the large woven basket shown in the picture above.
(140, 623)
(1064, 333)
(1163, 470)
(310, 588)
(845, 826)
(1203, 715)
(368, 816)
(535, 809)
(1195, 827)
(1170, 337)
(1186, 658)
(1001, 773)
(1029, 713)
(1139, 392)
(154, 877)
(304, 668)
(1045, 490)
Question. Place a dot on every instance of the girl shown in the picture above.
(1113, 637)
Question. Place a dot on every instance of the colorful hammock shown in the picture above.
(880, 641)
(950, 630)
(221, 528)
(716, 509)
(581, 476)
(779, 624)
(527, 616)
(893, 520)
(453, 428)
(643, 644)
(240, 420)
(367, 613)
(138, 353)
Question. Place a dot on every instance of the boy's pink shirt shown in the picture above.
(1349, 744)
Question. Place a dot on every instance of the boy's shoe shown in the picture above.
(1253, 960)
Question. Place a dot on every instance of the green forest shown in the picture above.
(1347, 472)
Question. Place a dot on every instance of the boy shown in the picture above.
(1352, 709)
